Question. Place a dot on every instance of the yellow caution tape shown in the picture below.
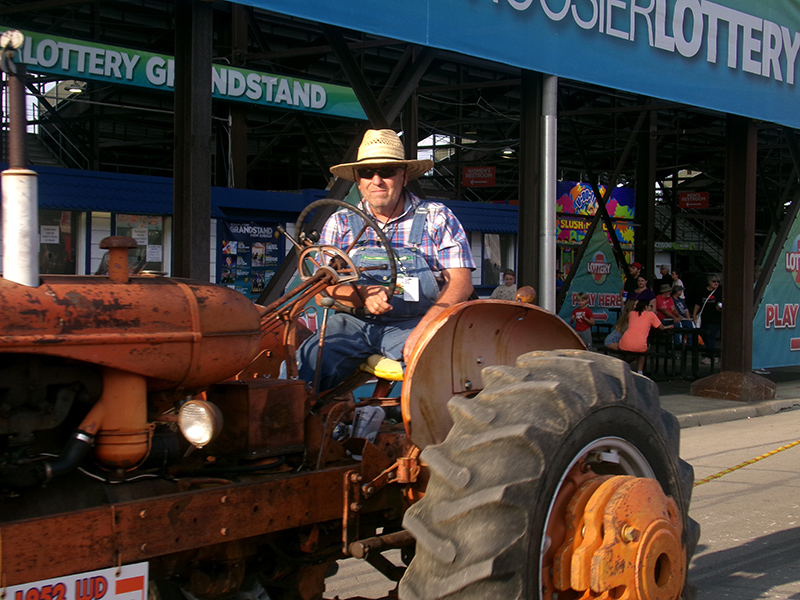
(745, 463)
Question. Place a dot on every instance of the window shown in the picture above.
(58, 232)
(498, 254)
(148, 231)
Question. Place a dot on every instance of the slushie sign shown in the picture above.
(86, 60)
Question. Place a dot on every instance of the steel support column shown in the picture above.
(645, 235)
(20, 188)
(530, 189)
(738, 248)
(736, 381)
(238, 112)
(547, 225)
(192, 193)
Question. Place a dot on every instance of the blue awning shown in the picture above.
(75, 189)
(232, 202)
(485, 217)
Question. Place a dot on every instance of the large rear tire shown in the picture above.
(481, 527)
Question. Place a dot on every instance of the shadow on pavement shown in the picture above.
(749, 571)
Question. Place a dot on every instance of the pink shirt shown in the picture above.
(635, 337)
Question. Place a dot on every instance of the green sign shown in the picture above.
(76, 59)
(598, 276)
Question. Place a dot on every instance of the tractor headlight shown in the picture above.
(200, 422)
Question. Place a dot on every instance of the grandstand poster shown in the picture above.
(248, 254)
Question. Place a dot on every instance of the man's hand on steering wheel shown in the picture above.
(373, 298)
(376, 300)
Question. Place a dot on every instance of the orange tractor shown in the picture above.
(145, 437)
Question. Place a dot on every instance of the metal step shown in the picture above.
(689, 236)
(39, 154)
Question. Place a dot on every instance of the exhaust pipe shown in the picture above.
(20, 184)
(40, 472)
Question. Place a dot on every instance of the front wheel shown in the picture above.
(549, 485)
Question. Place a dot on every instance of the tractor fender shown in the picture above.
(458, 345)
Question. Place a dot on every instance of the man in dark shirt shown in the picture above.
(665, 277)
(630, 281)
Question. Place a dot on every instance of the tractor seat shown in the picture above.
(383, 368)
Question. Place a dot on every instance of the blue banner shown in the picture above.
(735, 56)
(776, 340)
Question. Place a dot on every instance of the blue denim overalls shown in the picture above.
(350, 340)
(410, 263)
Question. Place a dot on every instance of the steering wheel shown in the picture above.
(315, 256)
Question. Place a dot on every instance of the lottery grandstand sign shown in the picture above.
(75, 59)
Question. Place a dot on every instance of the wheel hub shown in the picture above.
(623, 541)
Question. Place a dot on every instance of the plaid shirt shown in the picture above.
(444, 242)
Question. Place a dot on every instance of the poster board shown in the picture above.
(248, 254)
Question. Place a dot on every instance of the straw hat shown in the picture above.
(382, 147)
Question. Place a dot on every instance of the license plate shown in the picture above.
(128, 582)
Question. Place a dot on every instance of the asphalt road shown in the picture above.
(750, 518)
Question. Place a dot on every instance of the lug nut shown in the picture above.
(628, 533)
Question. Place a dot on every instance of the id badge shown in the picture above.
(410, 287)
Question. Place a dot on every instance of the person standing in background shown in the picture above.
(582, 319)
(707, 314)
(665, 277)
(508, 289)
(642, 287)
(676, 281)
(634, 270)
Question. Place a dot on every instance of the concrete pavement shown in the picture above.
(693, 411)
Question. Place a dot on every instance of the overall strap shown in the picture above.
(418, 225)
(355, 223)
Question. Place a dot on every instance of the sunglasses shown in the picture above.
(715, 281)
(383, 172)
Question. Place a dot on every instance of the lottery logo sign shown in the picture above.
(793, 261)
(599, 268)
